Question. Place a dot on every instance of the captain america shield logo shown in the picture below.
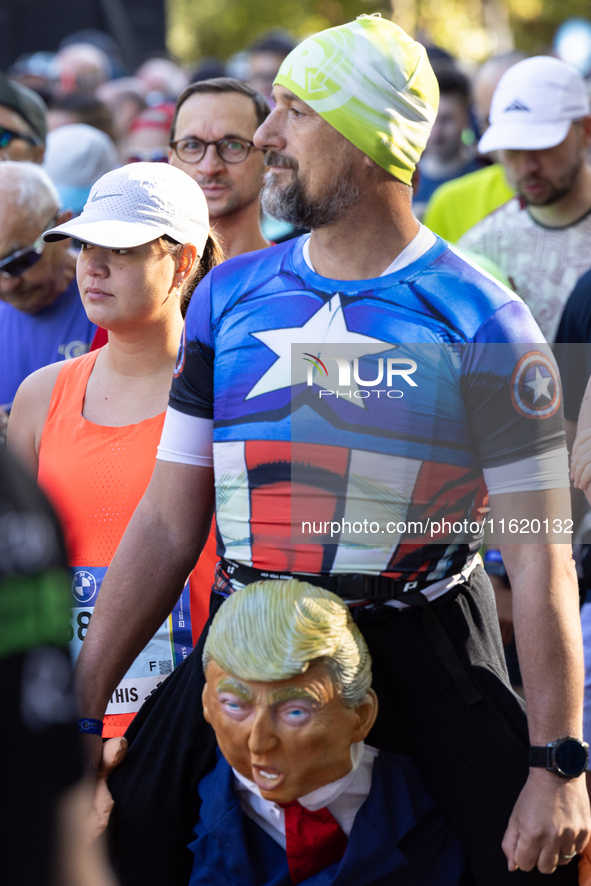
(535, 387)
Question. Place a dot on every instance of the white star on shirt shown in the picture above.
(540, 385)
(327, 326)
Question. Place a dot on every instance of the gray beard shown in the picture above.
(292, 204)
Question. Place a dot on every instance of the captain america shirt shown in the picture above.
(286, 368)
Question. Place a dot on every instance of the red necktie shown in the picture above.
(313, 840)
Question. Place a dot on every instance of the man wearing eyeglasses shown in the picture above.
(211, 140)
(42, 319)
(23, 126)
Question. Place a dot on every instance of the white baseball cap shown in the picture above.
(75, 158)
(139, 203)
(534, 104)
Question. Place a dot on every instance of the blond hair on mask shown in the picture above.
(274, 630)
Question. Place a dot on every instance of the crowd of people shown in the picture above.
(194, 265)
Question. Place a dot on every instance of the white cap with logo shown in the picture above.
(139, 203)
(533, 106)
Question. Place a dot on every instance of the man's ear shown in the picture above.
(367, 711)
(62, 217)
(38, 154)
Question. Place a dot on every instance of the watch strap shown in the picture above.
(540, 757)
(552, 757)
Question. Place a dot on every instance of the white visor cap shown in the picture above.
(139, 203)
(533, 106)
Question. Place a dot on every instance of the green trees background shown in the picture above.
(470, 29)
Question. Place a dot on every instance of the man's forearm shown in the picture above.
(550, 819)
(548, 636)
(139, 591)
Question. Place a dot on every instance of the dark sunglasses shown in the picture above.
(8, 135)
(15, 264)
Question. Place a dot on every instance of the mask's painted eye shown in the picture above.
(233, 706)
(295, 713)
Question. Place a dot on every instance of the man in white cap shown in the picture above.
(330, 461)
(541, 239)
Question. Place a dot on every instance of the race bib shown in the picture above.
(168, 647)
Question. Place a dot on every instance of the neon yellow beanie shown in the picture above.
(374, 84)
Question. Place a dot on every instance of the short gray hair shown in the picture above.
(273, 630)
(31, 187)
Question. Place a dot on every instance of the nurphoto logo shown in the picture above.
(389, 370)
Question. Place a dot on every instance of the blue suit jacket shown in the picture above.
(399, 837)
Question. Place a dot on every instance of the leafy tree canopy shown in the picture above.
(469, 29)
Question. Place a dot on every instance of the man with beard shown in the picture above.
(541, 238)
(211, 140)
(258, 421)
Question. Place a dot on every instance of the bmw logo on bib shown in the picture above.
(83, 586)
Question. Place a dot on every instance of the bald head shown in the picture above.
(29, 192)
(486, 80)
(29, 203)
(82, 67)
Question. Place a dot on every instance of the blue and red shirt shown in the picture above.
(289, 366)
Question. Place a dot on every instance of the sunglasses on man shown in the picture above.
(19, 261)
(8, 135)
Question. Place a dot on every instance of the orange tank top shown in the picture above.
(95, 477)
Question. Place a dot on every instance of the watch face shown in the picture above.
(570, 758)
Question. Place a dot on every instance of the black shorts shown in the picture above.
(474, 758)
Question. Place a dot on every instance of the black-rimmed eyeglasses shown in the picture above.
(8, 135)
(19, 261)
(230, 150)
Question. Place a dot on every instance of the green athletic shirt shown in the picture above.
(458, 205)
(34, 580)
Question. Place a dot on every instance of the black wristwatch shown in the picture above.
(567, 757)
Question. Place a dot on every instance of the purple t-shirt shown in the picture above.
(30, 341)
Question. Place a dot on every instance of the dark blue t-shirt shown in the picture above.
(572, 347)
(30, 341)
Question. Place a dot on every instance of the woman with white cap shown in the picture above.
(89, 428)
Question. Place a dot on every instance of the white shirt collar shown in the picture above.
(343, 797)
(418, 246)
